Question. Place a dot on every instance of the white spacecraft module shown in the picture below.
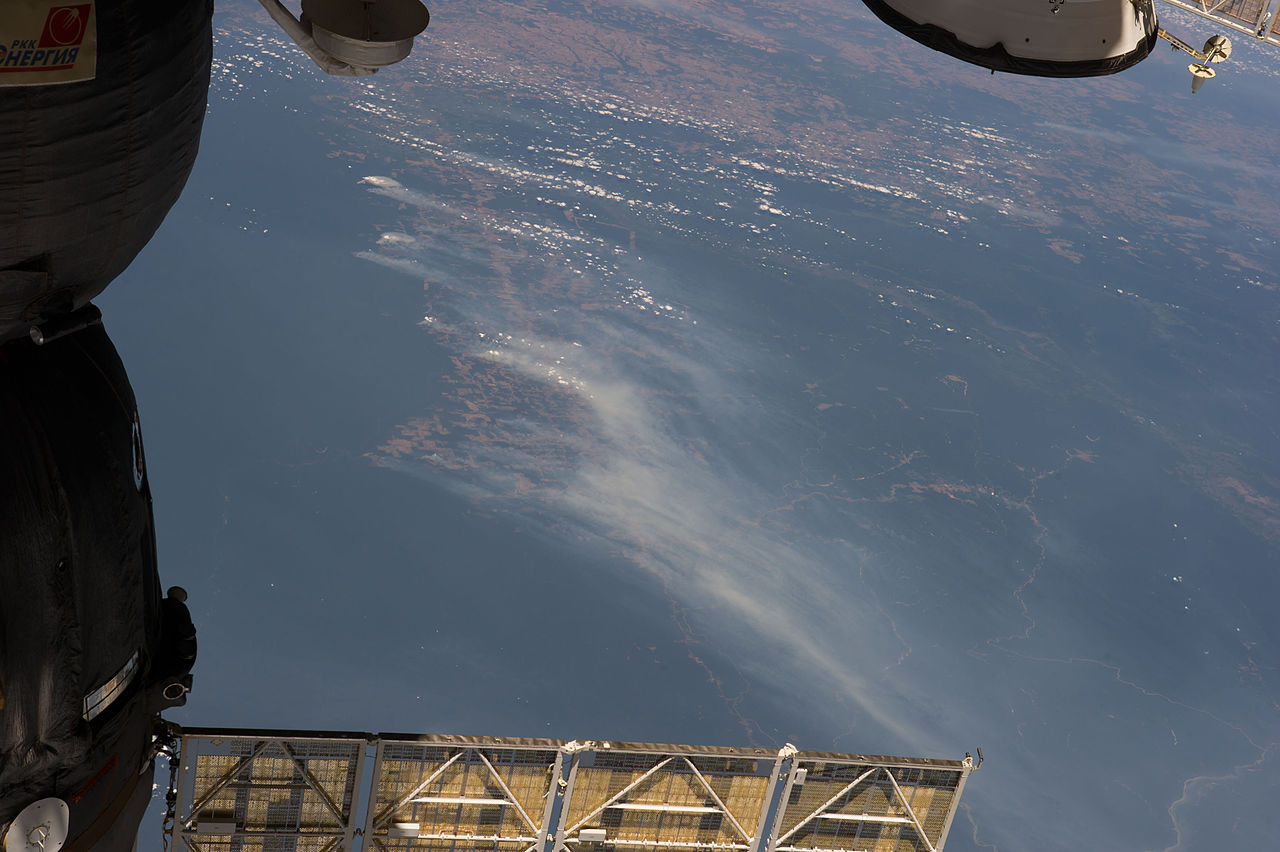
(1043, 38)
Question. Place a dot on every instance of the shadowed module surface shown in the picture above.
(101, 106)
(90, 167)
(89, 649)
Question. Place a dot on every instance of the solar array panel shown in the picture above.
(279, 791)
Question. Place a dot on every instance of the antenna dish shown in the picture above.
(1217, 48)
(39, 827)
(366, 33)
(1200, 73)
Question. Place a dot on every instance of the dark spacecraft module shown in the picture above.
(90, 649)
(101, 106)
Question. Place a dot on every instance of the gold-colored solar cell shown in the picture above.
(888, 839)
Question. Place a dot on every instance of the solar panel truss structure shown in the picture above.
(280, 791)
(1258, 18)
(277, 791)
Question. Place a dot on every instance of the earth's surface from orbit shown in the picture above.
(736, 373)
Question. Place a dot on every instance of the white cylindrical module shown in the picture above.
(1044, 38)
(101, 104)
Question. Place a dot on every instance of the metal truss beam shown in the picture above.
(742, 832)
(493, 773)
(387, 813)
(226, 779)
(607, 802)
(906, 804)
(315, 785)
(823, 807)
(1257, 18)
